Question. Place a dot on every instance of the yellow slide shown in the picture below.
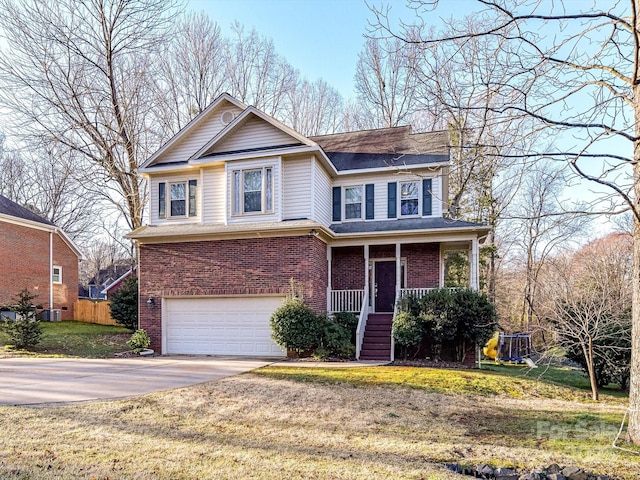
(490, 350)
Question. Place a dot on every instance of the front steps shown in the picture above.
(376, 344)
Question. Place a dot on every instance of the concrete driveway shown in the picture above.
(28, 381)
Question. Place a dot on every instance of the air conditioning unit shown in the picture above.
(53, 315)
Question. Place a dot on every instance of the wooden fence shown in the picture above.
(91, 311)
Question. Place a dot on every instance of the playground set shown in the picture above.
(512, 348)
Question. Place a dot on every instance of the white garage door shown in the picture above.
(221, 326)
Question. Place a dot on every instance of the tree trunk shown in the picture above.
(591, 369)
(634, 384)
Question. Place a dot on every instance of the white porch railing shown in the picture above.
(362, 323)
(346, 301)
(418, 292)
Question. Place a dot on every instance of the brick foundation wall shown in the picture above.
(24, 261)
(229, 267)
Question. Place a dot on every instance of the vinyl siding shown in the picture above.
(322, 194)
(297, 191)
(276, 164)
(207, 128)
(253, 133)
(155, 220)
(214, 195)
(380, 182)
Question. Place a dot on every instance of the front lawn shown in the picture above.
(74, 339)
(294, 423)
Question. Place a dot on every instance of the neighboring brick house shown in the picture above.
(38, 256)
(241, 204)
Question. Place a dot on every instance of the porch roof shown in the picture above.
(406, 224)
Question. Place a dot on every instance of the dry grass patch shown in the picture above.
(258, 427)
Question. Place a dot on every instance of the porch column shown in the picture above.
(473, 265)
(398, 271)
(366, 267)
(329, 257)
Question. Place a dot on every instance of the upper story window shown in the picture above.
(353, 203)
(406, 199)
(177, 199)
(253, 191)
(409, 198)
(56, 276)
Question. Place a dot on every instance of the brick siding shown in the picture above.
(423, 264)
(24, 262)
(229, 267)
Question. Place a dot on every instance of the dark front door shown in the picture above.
(385, 287)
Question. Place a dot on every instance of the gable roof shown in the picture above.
(12, 209)
(384, 147)
(13, 213)
(294, 138)
(197, 120)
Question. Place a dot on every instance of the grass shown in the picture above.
(566, 376)
(292, 423)
(499, 381)
(74, 339)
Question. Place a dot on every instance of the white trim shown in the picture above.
(343, 205)
(200, 197)
(50, 270)
(399, 213)
(119, 279)
(196, 120)
(53, 268)
(314, 189)
(434, 166)
(263, 191)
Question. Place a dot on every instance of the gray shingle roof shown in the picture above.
(404, 224)
(384, 147)
(7, 207)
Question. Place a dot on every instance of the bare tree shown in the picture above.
(588, 298)
(575, 71)
(258, 75)
(192, 72)
(46, 181)
(77, 75)
(314, 108)
(386, 80)
(540, 226)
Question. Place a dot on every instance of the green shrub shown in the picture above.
(336, 339)
(407, 333)
(124, 304)
(349, 321)
(460, 319)
(24, 331)
(139, 341)
(295, 326)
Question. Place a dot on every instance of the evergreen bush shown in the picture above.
(124, 304)
(24, 331)
(295, 326)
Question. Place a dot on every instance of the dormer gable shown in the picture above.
(199, 131)
(252, 131)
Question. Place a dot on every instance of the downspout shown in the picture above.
(51, 270)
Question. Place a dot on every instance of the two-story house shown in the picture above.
(37, 255)
(242, 204)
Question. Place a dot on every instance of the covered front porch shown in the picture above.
(370, 278)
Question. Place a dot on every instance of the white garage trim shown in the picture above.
(220, 325)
